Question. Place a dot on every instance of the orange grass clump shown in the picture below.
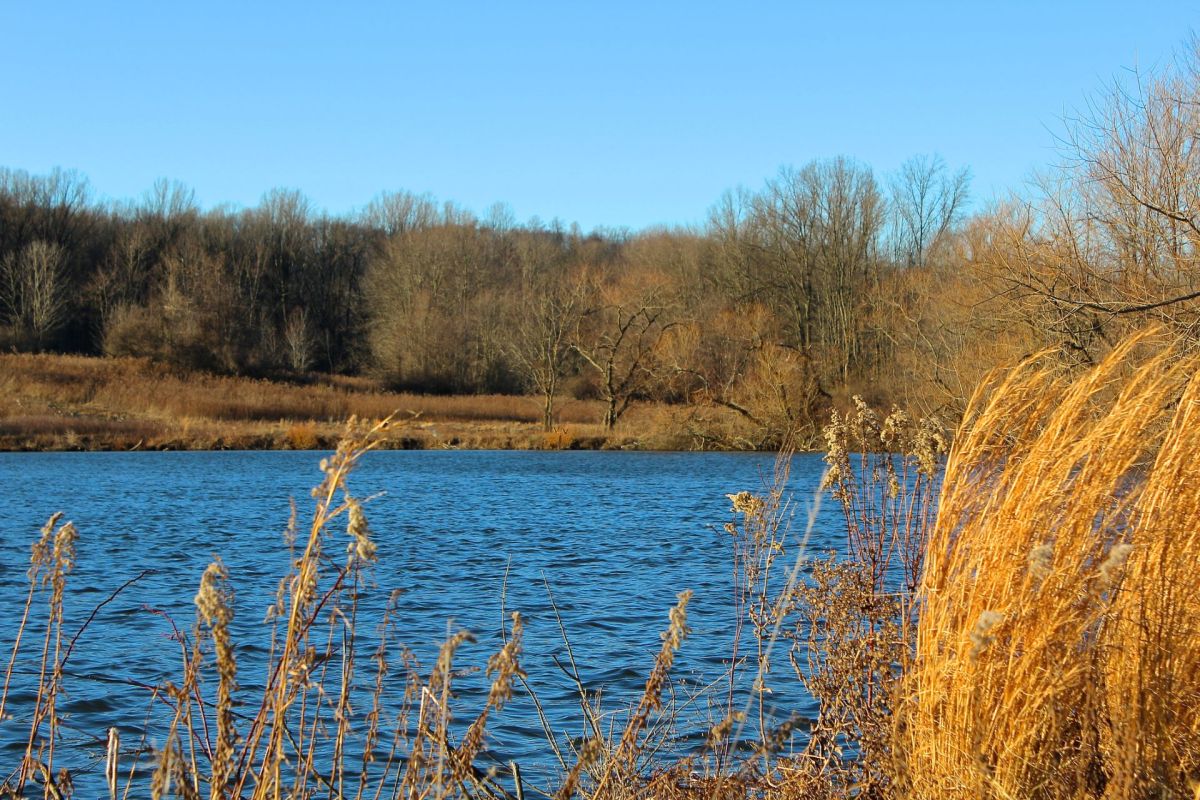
(1058, 645)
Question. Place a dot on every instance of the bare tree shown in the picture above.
(735, 251)
(169, 200)
(542, 338)
(1114, 240)
(927, 200)
(33, 291)
(621, 339)
(397, 213)
(123, 280)
(298, 340)
(818, 228)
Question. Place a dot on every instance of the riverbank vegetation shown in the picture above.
(57, 402)
(827, 281)
(1031, 634)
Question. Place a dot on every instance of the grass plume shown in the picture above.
(1058, 641)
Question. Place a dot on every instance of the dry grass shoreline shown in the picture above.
(63, 403)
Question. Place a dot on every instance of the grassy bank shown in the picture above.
(1035, 636)
(55, 402)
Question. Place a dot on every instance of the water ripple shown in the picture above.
(468, 536)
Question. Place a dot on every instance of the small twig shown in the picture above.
(102, 604)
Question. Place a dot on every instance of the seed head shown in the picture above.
(1113, 568)
(981, 635)
(746, 503)
(1041, 561)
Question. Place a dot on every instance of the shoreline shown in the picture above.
(58, 403)
(463, 438)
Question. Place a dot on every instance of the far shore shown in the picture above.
(78, 403)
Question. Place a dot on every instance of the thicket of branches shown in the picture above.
(766, 312)
(827, 281)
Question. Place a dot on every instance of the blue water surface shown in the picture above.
(615, 536)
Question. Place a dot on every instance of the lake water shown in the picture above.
(615, 536)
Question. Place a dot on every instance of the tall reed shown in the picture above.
(51, 561)
(1058, 645)
(314, 727)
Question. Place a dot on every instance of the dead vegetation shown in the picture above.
(1036, 637)
(1057, 648)
(53, 402)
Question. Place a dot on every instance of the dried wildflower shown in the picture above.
(746, 503)
(361, 548)
(836, 435)
(865, 416)
(720, 732)
(678, 630)
(588, 755)
(212, 599)
(981, 635)
(651, 699)
(64, 554)
(167, 767)
(895, 429)
(505, 665)
(214, 604)
(301, 669)
(42, 548)
(929, 442)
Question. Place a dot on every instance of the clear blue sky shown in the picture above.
(614, 114)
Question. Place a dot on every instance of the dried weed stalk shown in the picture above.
(303, 735)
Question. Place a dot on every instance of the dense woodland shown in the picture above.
(827, 280)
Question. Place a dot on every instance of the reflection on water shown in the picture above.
(465, 535)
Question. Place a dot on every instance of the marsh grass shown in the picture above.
(1058, 644)
(56, 402)
(51, 562)
(131, 384)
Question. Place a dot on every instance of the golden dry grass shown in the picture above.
(1058, 650)
(56, 402)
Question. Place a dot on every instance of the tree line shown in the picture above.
(827, 280)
